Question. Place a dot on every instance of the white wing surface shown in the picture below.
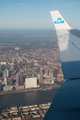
(69, 46)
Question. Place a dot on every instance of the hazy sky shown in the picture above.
(35, 14)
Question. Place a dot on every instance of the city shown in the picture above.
(23, 63)
(29, 66)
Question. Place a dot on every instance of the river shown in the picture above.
(27, 98)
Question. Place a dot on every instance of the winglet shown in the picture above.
(59, 21)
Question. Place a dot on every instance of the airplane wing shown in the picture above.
(66, 104)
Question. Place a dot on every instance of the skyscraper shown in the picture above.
(13, 60)
(20, 79)
(41, 78)
(17, 78)
(5, 81)
(5, 74)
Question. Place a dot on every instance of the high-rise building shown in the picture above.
(41, 78)
(5, 73)
(13, 60)
(5, 81)
(17, 78)
(20, 79)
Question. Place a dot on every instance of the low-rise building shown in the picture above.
(7, 88)
(5, 116)
(15, 116)
(19, 87)
(28, 108)
(44, 106)
(34, 107)
(25, 115)
(35, 114)
(13, 109)
(24, 108)
(41, 113)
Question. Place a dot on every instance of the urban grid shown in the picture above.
(29, 67)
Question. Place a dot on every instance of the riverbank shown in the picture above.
(30, 90)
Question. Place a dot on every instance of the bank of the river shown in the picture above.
(28, 90)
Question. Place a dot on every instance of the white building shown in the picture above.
(19, 87)
(5, 81)
(3, 63)
(17, 48)
(14, 110)
(7, 88)
(31, 82)
(5, 74)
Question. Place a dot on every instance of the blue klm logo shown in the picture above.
(59, 21)
(63, 36)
